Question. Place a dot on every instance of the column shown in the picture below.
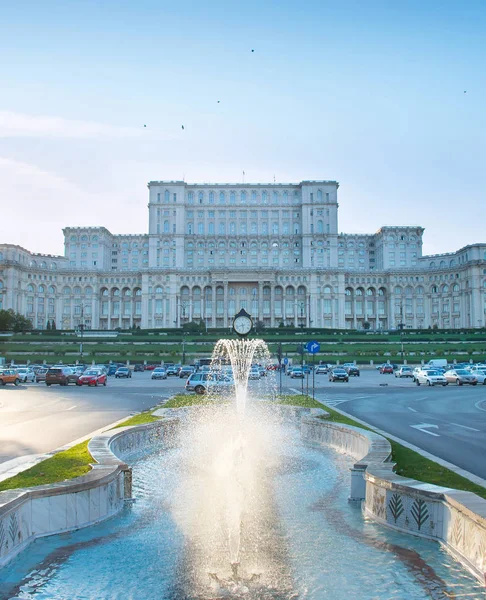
(225, 304)
(260, 301)
(272, 306)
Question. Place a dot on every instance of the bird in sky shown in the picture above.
(218, 101)
(252, 50)
(465, 91)
(182, 126)
(145, 125)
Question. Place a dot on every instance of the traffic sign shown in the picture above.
(285, 361)
(313, 347)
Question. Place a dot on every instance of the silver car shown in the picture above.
(404, 372)
(430, 377)
(201, 383)
(460, 377)
(26, 374)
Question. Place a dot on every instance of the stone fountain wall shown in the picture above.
(27, 514)
(454, 518)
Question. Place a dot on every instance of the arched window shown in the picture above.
(301, 291)
(243, 197)
(359, 292)
(211, 197)
(200, 198)
(348, 292)
(30, 288)
(327, 290)
(432, 264)
(190, 228)
(84, 238)
(222, 198)
(166, 226)
(320, 227)
(88, 291)
(52, 289)
(264, 197)
(211, 228)
(190, 198)
(419, 290)
(138, 292)
(370, 292)
(232, 198)
(41, 289)
(319, 195)
(398, 290)
(77, 291)
(66, 290)
(104, 292)
(445, 289)
(166, 196)
(434, 289)
(159, 290)
(115, 292)
(455, 288)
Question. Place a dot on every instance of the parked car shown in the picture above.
(307, 369)
(103, 368)
(159, 373)
(92, 377)
(339, 374)
(352, 370)
(386, 369)
(201, 383)
(123, 372)
(254, 373)
(404, 372)
(186, 371)
(430, 377)
(138, 368)
(480, 373)
(460, 377)
(112, 369)
(172, 370)
(61, 375)
(9, 376)
(149, 367)
(296, 373)
(321, 369)
(25, 375)
(40, 375)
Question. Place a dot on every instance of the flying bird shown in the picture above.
(465, 91)
(145, 125)
(252, 50)
(218, 101)
(182, 126)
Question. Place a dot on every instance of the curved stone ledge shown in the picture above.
(454, 518)
(29, 513)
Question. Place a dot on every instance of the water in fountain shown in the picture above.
(241, 354)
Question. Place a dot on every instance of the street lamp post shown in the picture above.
(400, 325)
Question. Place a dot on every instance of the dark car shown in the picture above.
(338, 374)
(386, 369)
(112, 369)
(353, 370)
(61, 375)
(123, 372)
(186, 371)
(138, 368)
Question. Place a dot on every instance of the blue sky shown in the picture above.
(369, 94)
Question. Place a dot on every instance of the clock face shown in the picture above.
(242, 325)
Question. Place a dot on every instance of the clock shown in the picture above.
(242, 323)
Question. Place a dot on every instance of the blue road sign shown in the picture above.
(313, 347)
(285, 361)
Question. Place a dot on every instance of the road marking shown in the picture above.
(71, 407)
(423, 427)
(465, 427)
(480, 407)
(412, 409)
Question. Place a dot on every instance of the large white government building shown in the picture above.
(273, 249)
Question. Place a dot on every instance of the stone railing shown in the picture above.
(454, 518)
(30, 513)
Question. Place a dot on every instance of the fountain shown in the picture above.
(242, 508)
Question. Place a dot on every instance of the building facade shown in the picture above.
(273, 249)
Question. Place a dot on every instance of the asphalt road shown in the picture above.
(449, 422)
(36, 419)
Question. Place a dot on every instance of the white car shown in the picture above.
(404, 372)
(430, 377)
(25, 375)
(254, 373)
(480, 374)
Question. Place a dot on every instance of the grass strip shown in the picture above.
(68, 464)
(408, 462)
(183, 400)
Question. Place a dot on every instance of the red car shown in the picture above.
(92, 377)
(149, 367)
(386, 369)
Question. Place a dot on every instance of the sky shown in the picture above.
(387, 98)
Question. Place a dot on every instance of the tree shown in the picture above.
(366, 325)
(48, 326)
(12, 321)
(259, 327)
(53, 325)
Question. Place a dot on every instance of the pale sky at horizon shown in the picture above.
(368, 94)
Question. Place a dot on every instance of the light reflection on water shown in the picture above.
(312, 544)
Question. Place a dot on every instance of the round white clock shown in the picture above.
(242, 324)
